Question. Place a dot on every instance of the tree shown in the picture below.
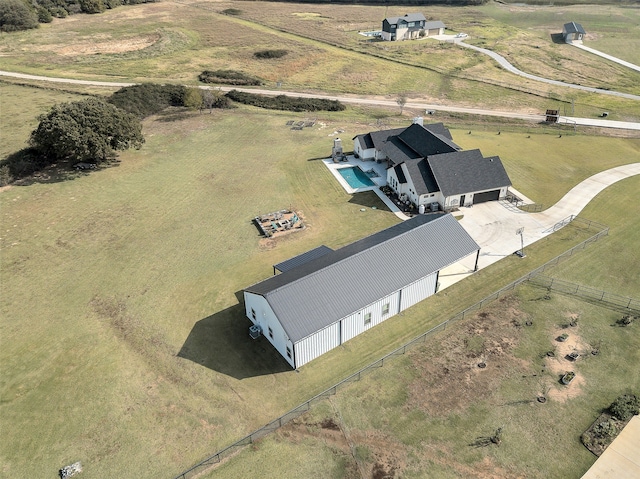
(88, 130)
(193, 99)
(401, 101)
(16, 15)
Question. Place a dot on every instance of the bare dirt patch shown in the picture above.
(102, 44)
(470, 362)
(562, 362)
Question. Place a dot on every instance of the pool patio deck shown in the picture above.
(381, 180)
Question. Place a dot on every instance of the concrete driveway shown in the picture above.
(493, 225)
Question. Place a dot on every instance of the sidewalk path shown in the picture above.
(607, 56)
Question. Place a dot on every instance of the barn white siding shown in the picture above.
(416, 292)
(317, 344)
(259, 312)
(354, 324)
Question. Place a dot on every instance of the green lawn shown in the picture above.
(123, 345)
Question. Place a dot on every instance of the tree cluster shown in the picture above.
(23, 14)
(86, 131)
(268, 54)
(288, 103)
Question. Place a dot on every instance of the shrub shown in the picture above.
(267, 54)
(282, 102)
(232, 11)
(625, 406)
(228, 77)
(148, 98)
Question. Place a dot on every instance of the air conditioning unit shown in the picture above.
(255, 331)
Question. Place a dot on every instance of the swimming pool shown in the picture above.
(356, 177)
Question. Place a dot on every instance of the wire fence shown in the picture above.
(603, 298)
(217, 457)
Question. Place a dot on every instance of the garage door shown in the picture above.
(486, 196)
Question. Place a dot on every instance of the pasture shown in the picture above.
(169, 41)
(124, 345)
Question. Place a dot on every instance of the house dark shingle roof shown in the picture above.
(409, 17)
(320, 292)
(467, 172)
(425, 142)
(573, 27)
(434, 25)
(422, 177)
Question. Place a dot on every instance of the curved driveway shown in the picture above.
(502, 61)
(493, 225)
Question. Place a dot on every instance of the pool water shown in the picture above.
(356, 177)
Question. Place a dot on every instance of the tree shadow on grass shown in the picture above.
(221, 342)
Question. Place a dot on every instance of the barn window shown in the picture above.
(253, 313)
(367, 318)
(288, 351)
(385, 309)
(270, 332)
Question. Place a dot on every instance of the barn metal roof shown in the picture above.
(467, 172)
(302, 258)
(320, 292)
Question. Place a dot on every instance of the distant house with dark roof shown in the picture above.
(425, 166)
(410, 27)
(572, 32)
(324, 298)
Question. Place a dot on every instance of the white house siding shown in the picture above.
(454, 201)
(266, 318)
(368, 154)
(416, 292)
(353, 324)
(317, 344)
(386, 36)
(429, 198)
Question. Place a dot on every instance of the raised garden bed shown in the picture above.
(568, 377)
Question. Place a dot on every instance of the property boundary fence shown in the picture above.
(603, 298)
(215, 458)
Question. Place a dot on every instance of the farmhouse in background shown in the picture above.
(323, 298)
(409, 27)
(425, 167)
(573, 32)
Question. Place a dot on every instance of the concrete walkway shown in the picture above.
(621, 460)
(607, 56)
(493, 225)
(509, 67)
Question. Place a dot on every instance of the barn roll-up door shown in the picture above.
(486, 196)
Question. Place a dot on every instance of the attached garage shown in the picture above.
(492, 195)
(311, 308)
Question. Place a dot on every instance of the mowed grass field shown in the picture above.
(174, 42)
(123, 342)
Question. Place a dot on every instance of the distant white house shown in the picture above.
(323, 298)
(410, 27)
(573, 32)
(425, 166)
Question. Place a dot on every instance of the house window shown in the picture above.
(367, 319)
(288, 351)
(253, 313)
(270, 332)
(385, 309)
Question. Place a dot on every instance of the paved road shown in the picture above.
(502, 61)
(607, 56)
(354, 100)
